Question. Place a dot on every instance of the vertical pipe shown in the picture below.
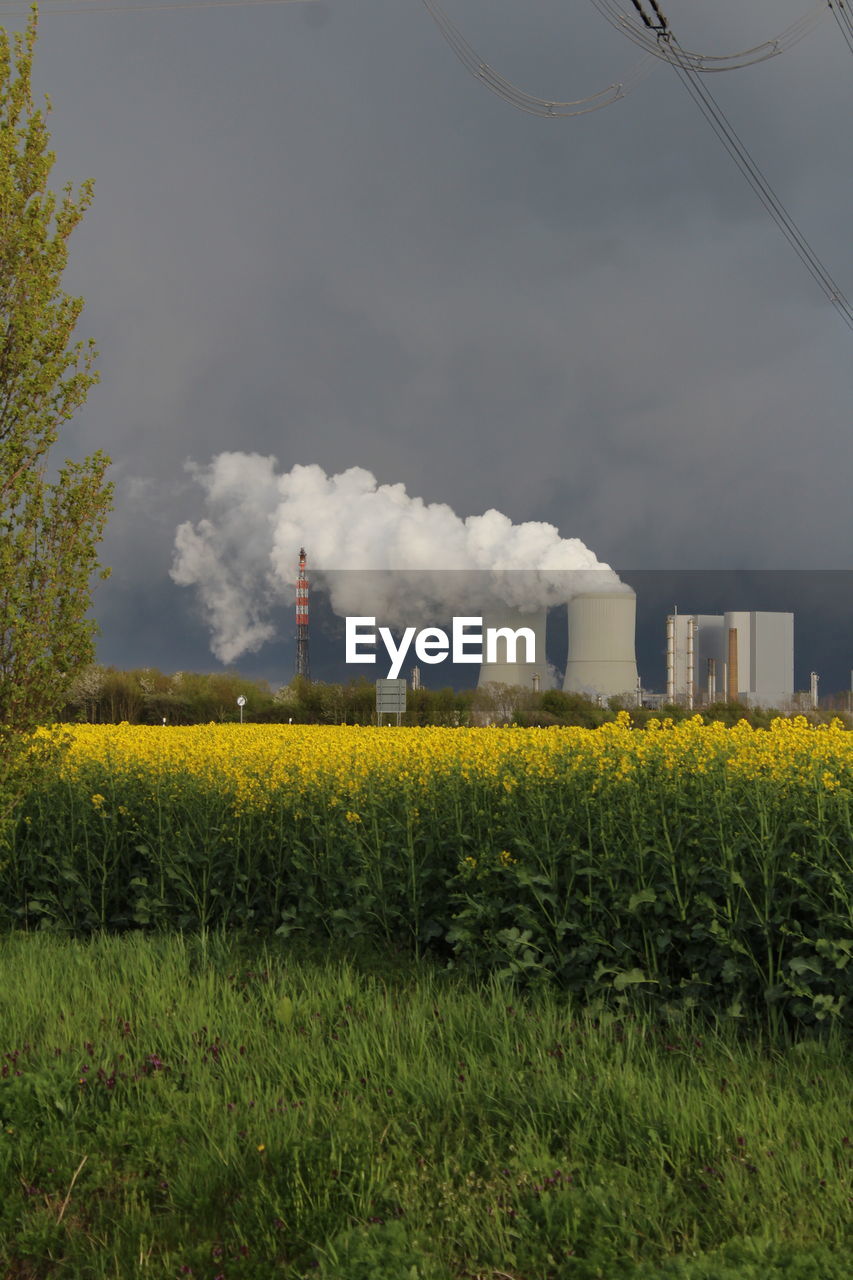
(670, 659)
(691, 636)
(712, 680)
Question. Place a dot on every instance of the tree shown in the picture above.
(49, 530)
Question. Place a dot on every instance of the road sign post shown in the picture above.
(390, 699)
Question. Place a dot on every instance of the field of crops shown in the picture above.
(429, 1004)
(685, 866)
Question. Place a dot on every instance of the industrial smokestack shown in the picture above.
(602, 660)
(303, 663)
(733, 671)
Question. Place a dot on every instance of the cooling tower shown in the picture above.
(505, 670)
(602, 660)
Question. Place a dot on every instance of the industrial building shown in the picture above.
(743, 656)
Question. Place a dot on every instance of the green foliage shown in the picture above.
(378, 1249)
(756, 1260)
(214, 1107)
(48, 531)
(573, 709)
(732, 895)
(106, 695)
(25, 764)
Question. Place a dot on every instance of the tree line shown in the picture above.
(108, 695)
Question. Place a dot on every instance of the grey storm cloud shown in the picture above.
(315, 236)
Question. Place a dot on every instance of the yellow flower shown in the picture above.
(98, 801)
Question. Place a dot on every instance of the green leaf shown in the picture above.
(805, 964)
(284, 1010)
(644, 896)
(630, 978)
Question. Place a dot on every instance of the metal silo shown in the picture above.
(602, 660)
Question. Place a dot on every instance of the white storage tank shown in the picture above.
(602, 659)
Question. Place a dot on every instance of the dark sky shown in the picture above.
(315, 236)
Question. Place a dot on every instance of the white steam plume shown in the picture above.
(242, 556)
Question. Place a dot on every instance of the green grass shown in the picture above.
(173, 1106)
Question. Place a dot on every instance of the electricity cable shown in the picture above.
(726, 133)
(519, 98)
(481, 70)
(659, 42)
(647, 36)
(842, 16)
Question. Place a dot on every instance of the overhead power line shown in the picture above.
(654, 23)
(842, 16)
(722, 127)
(519, 98)
(653, 34)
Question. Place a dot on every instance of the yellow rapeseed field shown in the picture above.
(701, 863)
(252, 762)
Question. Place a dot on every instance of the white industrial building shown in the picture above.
(741, 655)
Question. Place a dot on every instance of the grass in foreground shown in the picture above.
(179, 1106)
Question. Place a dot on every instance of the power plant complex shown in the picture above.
(736, 656)
(741, 655)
